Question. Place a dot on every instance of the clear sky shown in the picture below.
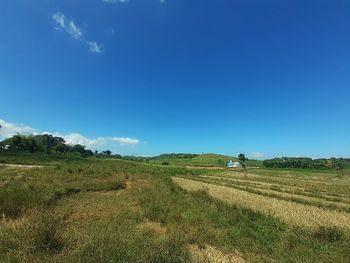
(266, 78)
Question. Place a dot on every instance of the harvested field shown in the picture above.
(315, 183)
(283, 193)
(289, 212)
(254, 182)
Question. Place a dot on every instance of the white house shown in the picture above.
(231, 164)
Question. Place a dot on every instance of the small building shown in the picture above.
(231, 164)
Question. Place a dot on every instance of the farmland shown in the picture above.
(109, 210)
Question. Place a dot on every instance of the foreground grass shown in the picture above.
(79, 213)
(118, 211)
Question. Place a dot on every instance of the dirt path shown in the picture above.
(21, 165)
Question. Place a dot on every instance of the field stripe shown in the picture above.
(289, 212)
(320, 200)
(284, 188)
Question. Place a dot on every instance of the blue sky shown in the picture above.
(144, 77)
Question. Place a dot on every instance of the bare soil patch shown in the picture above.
(212, 254)
(22, 166)
(153, 226)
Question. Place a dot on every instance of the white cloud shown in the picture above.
(94, 47)
(75, 32)
(69, 26)
(60, 20)
(76, 138)
(9, 129)
(125, 140)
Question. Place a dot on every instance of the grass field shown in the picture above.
(97, 210)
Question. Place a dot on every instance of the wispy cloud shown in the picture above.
(77, 138)
(75, 32)
(94, 47)
(125, 140)
(69, 26)
(8, 129)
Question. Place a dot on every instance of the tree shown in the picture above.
(340, 166)
(30, 144)
(62, 148)
(107, 153)
(89, 153)
(242, 159)
(78, 148)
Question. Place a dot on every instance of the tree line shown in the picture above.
(295, 162)
(45, 143)
(175, 156)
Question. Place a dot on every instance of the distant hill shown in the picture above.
(207, 159)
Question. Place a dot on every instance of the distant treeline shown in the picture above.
(45, 143)
(158, 157)
(294, 162)
(175, 155)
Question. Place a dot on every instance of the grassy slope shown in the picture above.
(38, 158)
(208, 159)
(82, 212)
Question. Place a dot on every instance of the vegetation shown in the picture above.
(46, 143)
(172, 208)
(242, 159)
(288, 162)
(202, 160)
(175, 155)
(288, 211)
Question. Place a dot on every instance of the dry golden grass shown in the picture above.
(247, 179)
(254, 182)
(285, 193)
(289, 212)
(212, 254)
(137, 184)
(99, 205)
(89, 206)
(335, 185)
(153, 226)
